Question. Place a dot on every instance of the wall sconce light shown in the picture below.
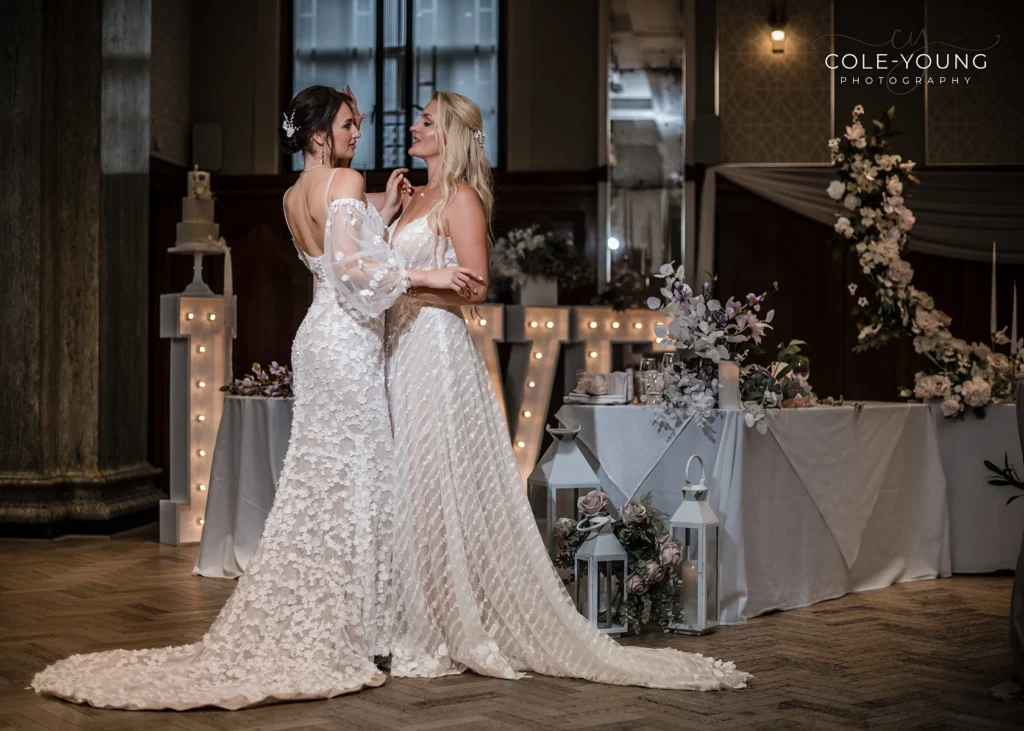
(777, 21)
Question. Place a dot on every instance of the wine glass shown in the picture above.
(668, 361)
(802, 369)
(649, 377)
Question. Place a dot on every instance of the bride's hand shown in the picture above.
(398, 187)
(355, 106)
(460, 279)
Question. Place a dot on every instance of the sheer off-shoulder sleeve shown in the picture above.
(366, 274)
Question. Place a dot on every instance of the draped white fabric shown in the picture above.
(985, 532)
(251, 444)
(797, 528)
(959, 212)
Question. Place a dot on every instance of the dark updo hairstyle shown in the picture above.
(314, 109)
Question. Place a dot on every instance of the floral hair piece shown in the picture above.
(480, 137)
(288, 125)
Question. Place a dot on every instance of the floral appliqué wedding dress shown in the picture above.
(313, 607)
(474, 587)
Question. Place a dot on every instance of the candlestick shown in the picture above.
(1013, 325)
(993, 324)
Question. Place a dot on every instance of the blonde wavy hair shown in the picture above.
(458, 119)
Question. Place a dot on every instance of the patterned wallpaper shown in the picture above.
(170, 91)
(980, 122)
(774, 107)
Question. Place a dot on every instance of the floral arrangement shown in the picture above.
(626, 289)
(651, 584)
(523, 253)
(779, 387)
(274, 383)
(1006, 476)
(876, 224)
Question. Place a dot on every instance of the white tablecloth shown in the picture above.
(985, 532)
(247, 461)
(831, 500)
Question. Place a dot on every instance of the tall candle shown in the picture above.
(1013, 326)
(690, 592)
(993, 324)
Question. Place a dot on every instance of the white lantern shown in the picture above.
(559, 479)
(695, 527)
(600, 575)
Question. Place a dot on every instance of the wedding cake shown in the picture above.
(197, 230)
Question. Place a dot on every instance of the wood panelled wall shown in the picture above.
(759, 242)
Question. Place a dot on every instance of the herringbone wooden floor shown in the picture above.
(914, 656)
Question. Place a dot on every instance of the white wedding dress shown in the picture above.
(313, 607)
(474, 587)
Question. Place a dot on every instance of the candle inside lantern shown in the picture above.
(993, 323)
(690, 592)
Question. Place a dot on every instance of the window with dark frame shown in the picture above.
(395, 54)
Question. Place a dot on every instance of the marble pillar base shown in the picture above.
(98, 503)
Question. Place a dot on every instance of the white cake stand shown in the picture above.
(197, 285)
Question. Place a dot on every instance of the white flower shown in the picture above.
(843, 227)
(981, 350)
(901, 273)
(951, 407)
(906, 219)
(858, 110)
(868, 331)
(932, 387)
(977, 392)
(885, 162)
(868, 215)
(855, 134)
(853, 289)
(906, 166)
(893, 185)
(863, 302)
(836, 189)
(833, 144)
(851, 202)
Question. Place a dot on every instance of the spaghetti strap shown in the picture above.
(327, 193)
(291, 234)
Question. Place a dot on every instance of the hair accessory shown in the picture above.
(288, 125)
(480, 137)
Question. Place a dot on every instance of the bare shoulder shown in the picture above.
(465, 206)
(346, 183)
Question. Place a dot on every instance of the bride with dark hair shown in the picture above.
(314, 606)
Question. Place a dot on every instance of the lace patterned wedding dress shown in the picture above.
(313, 607)
(474, 587)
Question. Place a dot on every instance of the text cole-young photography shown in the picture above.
(462, 365)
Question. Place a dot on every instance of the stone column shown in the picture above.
(74, 267)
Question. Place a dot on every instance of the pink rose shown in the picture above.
(636, 585)
(633, 512)
(593, 503)
(670, 553)
(653, 571)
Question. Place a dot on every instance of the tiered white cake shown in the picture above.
(197, 230)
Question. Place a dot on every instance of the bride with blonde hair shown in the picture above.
(472, 582)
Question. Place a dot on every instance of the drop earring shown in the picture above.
(321, 155)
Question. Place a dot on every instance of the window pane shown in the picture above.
(456, 49)
(334, 46)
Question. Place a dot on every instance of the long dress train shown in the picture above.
(313, 607)
(474, 586)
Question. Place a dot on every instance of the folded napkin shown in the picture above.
(603, 388)
(576, 398)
